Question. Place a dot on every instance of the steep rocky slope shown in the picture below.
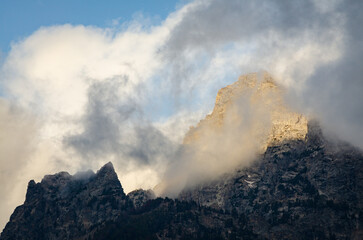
(62, 206)
(301, 189)
(301, 186)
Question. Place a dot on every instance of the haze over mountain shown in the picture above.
(75, 97)
(267, 175)
(249, 115)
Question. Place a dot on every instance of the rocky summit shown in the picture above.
(302, 185)
(62, 206)
(260, 92)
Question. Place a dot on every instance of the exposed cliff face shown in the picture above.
(301, 186)
(259, 92)
(248, 116)
(299, 189)
(62, 206)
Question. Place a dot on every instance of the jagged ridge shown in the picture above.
(62, 206)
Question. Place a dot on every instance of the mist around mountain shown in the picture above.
(252, 169)
(74, 97)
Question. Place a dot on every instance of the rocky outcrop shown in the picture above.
(260, 93)
(301, 186)
(63, 206)
(299, 189)
(139, 197)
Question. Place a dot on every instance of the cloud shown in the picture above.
(220, 149)
(114, 128)
(17, 129)
(18, 140)
(311, 47)
(105, 113)
(334, 90)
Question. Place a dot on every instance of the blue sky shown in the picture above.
(20, 18)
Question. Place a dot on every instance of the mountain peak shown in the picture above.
(255, 97)
(106, 169)
(107, 174)
(83, 200)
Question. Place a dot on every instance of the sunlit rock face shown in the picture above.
(255, 100)
(300, 185)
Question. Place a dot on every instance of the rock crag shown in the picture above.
(257, 91)
(300, 189)
(63, 206)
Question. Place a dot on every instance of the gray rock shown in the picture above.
(62, 206)
(304, 189)
(139, 197)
